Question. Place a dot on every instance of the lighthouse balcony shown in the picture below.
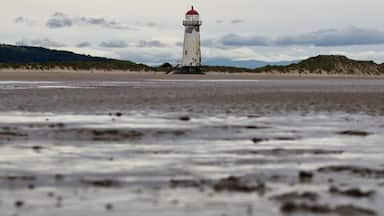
(192, 22)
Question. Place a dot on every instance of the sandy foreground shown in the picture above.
(115, 143)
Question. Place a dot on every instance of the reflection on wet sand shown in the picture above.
(153, 153)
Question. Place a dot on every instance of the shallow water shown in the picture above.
(165, 147)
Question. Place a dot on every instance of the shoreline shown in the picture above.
(58, 74)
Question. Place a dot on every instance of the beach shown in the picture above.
(140, 143)
(116, 75)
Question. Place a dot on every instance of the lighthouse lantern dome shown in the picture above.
(192, 12)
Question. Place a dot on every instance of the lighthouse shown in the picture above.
(191, 61)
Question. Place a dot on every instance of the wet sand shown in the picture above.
(83, 92)
(118, 144)
(98, 75)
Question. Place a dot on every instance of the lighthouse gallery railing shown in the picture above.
(192, 22)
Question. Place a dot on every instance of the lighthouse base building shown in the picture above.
(191, 61)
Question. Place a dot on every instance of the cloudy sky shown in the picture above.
(150, 31)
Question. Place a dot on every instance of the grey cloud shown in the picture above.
(140, 44)
(150, 43)
(208, 42)
(219, 21)
(322, 38)
(147, 24)
(60, 20)
(237, 40)
(236, 21)
(102, 23)
(95, 21)
(39, 42)
(83, 44)
(334, 37)
(19, 20)
(23, 20)
(151, 24)
(114, 44)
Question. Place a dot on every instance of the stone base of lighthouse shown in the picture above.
(188, 70)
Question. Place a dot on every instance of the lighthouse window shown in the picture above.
(186, 52)
(197, 29)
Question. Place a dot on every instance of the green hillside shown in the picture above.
(42, 58)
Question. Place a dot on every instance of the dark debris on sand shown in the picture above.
(355, 170)
(37, 148)
(342, 210)
(19, 204)
(229, 184)
(235, 184)
(184, 118)
(187, 183)
(305, 176)
(18, 178)
(111, 134)
(248, 127)
(294, 196)
(102, 134)
(108, 206)
(259, 140)
(286, 138)
(57, 125)
(354, 133)
(12, 134)
(106, 183)
(284, 151)
(122, 134)
(171, 132)
(351, 192)
(255, 127)
(8, 133)
(118, 114)
(59, 177)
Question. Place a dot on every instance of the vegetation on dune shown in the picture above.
(328, 64)
(226, 69)
(381, 68)
(322, 64)
(79, 65)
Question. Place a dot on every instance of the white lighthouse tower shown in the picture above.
(191, 61)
